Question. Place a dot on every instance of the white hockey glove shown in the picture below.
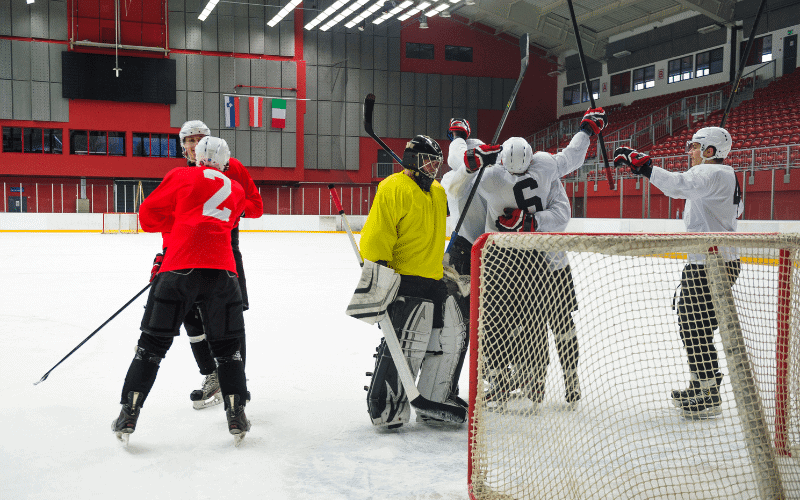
(376, 289)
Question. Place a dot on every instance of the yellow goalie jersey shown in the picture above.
(406, 227)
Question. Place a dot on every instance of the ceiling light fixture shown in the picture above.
(622, 53)
(403, 6)
(283, 13)
(209, 7)
(423, 22)
(365, 14)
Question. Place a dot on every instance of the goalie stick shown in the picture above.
(440, 411)
(585, 69)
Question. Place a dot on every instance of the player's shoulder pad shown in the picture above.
(542, 159)
(473, 143)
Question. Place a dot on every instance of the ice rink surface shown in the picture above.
(306, 361)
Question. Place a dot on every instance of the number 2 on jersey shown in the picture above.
(211, 207)
(524, 202)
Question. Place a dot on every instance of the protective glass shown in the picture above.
(429, 164)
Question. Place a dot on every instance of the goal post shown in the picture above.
(624, 438)
(121, 223)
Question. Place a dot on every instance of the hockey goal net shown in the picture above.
(120, 223)
(624, 438)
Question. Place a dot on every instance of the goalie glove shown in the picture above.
(640, 163)
(485, 154)
(459, 128)
(594, 121)
(515, 220)
(156, 266)
(376, 289)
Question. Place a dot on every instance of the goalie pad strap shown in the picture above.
(446, 349)
(376, 289)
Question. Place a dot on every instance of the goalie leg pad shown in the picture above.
(387, 402)
(443, 360)
(376, 290)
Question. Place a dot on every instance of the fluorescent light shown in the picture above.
(368, 12)
(436, 10)
(708, 29)
(30, 1)
(325, 14)
(343, 14)
(622, 53)
(423, 5)
(209, 7)
(283, 12)
(403, 6)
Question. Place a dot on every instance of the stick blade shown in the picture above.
(369, 106)
(525, 46)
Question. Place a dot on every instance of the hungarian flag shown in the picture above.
(256, 110)
(231, 111)
(278, 113)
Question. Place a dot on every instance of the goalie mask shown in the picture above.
(213, 152)
(424, 156)
(192, 127)
(707, 137)
(516, 155)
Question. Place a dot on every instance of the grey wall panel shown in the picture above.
(434, 90)
(242, 71)
(338, 118)
(6, 112)
(310, 152)
(243, 146)
(379, 122)
(288, 77)
(227, 74)
(20, 60)
(20, 19)
(58, 20)
(381, 84)
(472, 95)
(407, 121)
(210, 33)
(258, 76)
(180, 5)
(393, 54)
(54, 53)
(177, 111)
(244, 113)
(210, 73)
(40, 101)
(194, 6)
(437, 126)
(445, 113)
(287, 38)
(338, 48)
(5, 60)
(497, 93)
(472, 117)
(392, 121)
(446, 92)
(288, 150)
(311, 82)
(21, 90)
(258, 148)
(40, 25)
(225, 33)
(194, 72)
(212, 105)
(352, 157)
(368, 85)
(380, 60)
(195, 106)
(241, 40)
(256, 11)
(324, 42)
(274, 76)
(324, 125)
(310, 118)
(459, 90)
(291, 116)
(59, 107)
(256, 33)
(40, 62)
(353, 49)
(239, 9)
(324, 160)
(393, 87)
(420, 120)
(229, 134)
(353, 92)
(339, 76)
(420, 88)
(324, 82)
(367, 51)
(310, 46)
(484, 92)
(5, 20)
(461, 112)
(393, 28)
(407, 96)
(177, 30)
(337, 152)
(194, 32)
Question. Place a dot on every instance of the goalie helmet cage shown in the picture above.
(625, 439)
(121, 223)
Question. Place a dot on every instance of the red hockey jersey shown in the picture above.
(198, 206)
(254, 205)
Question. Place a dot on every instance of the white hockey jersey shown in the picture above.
(457, 185)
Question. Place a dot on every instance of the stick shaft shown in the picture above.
(338, 203)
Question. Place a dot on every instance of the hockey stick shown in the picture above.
(369, 107)
(525, 52)
(441, 411)
(44, 377)
(585, 69)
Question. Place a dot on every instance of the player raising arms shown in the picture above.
(198, 206)
(713, 203)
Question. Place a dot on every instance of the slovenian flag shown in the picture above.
(256, 110)
(231, 111)
(279, 113)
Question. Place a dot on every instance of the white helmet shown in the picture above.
(213, 152)
(192, 127)
(712, 136)
(516, 155)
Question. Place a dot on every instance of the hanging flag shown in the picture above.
(231, 111)
(279, 113)
(256, 110)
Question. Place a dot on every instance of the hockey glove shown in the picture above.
(515, 220)
(459, 128)
(640, 163)
(485, 154)
(594, 121)
(156, 266)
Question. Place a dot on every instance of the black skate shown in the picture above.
(238, 425)
(209, 395)
(125, 424)
(680, 397)
(572, 386)
(499, 390)
(705, 403)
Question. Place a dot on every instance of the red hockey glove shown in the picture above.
(485, 154)
(515, 220)
(156, 266)
(640, 163)
(594, 121)
(459, 127)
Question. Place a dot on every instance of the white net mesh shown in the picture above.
(120, 223)
(606, 425)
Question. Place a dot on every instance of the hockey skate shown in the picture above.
(125, 424)
(209, 395)
(238, 425)
(706, 401)
(680, 397)
(572, 386)
(497, 390)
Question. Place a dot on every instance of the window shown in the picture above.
(621, 83)
(31, 140)
(52, 140)
(12, 139)
(761, 51)
(644, 78)
(679, 69)
(93, 142)
(577, 93)
(419, 50)
(708, 63)
(155, 145)
(456, 53)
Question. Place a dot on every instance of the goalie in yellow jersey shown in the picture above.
(405, 231)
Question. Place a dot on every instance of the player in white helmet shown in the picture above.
(190, 134)
(713, 204)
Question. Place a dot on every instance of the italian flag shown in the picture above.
(278, 113)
